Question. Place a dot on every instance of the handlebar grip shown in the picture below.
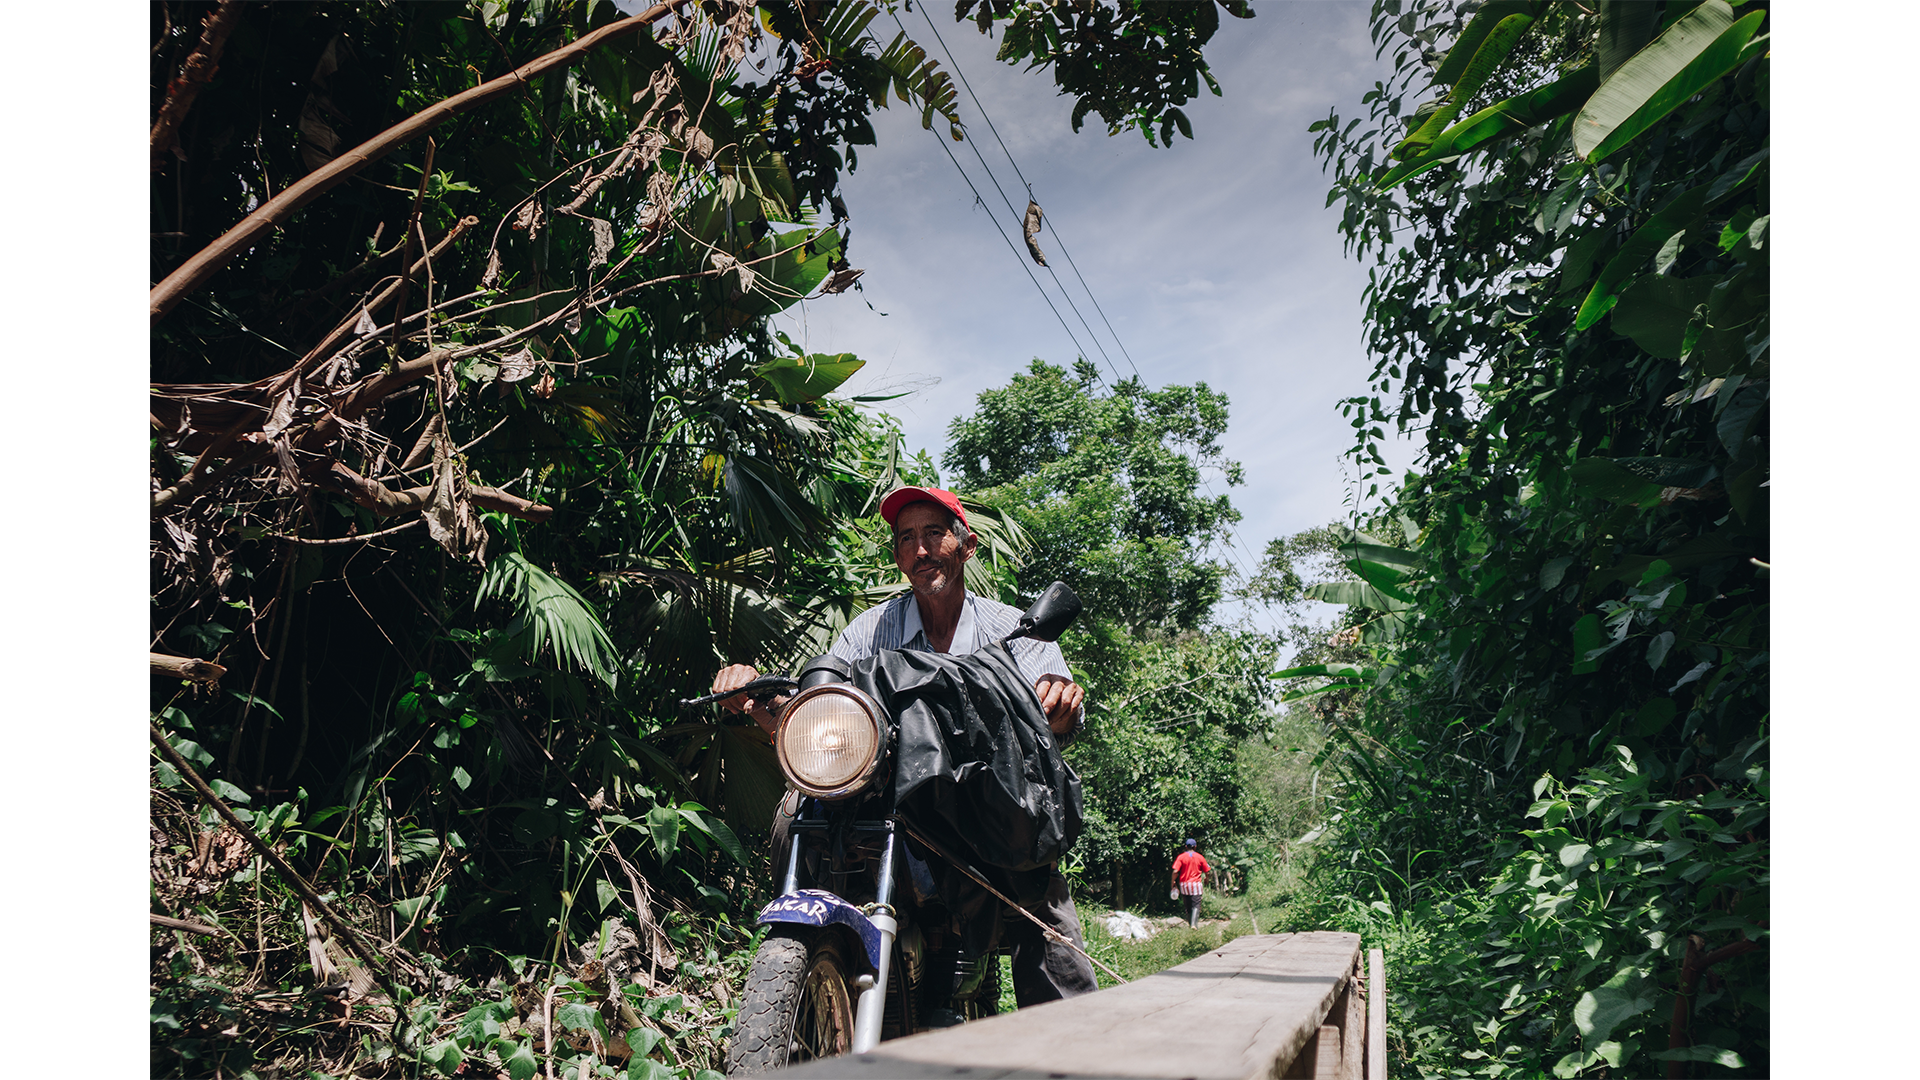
(753, 688)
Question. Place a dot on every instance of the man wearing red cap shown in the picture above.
(931, 546)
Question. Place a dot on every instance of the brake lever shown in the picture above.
(753, 688)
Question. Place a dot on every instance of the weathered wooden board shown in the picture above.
(1243, 1010)
(1376, 1015)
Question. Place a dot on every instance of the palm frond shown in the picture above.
(766, 506)
(548, 612)
(1004, 547)
(697, 618)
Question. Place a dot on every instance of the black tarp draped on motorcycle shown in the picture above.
(976, 768)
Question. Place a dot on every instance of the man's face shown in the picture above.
(926, 550)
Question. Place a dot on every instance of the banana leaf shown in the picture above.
(803, 378)
(1700, 47)
(1625, 28)
(1500, 120)
(1356, 594)
(1398, 558)
(1489, 16)
(1489, 56)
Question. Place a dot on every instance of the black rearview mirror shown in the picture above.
(1050, 615)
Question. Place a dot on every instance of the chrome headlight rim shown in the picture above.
(868, 707)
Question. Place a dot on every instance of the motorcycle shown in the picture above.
(915, 778)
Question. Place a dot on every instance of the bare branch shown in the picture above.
(406, 241)
(185, 667)
(324, 350)
(181, 924)
(402, 527)
(386, 501)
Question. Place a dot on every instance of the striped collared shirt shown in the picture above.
(896, 625)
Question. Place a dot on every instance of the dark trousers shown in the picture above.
(1193, 908)
(1044, 970)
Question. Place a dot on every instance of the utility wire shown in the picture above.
(1055, 233)
(1232, 547)
(1091, 336)
(1014, 210)
(1017, 253)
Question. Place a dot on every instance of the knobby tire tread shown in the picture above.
(769, 1004)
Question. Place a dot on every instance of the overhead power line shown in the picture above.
(1058, 240)
(1017, 254)
(1237, 543)
(1091, 335)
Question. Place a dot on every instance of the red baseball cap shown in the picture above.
(899, 497)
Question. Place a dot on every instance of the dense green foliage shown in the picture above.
(465, 734)
(1555, 746)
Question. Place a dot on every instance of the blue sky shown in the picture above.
(1215, 260)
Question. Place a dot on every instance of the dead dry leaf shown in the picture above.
(282, 413)
(529, 219)
(1032, 229)
(449, 514)
(602, 241)
(726, 263)
(516, 366)
(842, 280)
(699, 146)
(650, 147)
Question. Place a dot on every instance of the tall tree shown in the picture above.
(1113, 488)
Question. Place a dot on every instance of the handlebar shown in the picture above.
(754, 688)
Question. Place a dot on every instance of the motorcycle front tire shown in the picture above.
(797, 1005)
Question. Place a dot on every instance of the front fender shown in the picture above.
(818, 907)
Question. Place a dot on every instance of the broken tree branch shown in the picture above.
(386, 501)
(182, 924)
(197, 72)
(185, 667)
(193, 273)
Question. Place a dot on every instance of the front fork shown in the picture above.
(871, 1007)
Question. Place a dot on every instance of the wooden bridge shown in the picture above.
(1267, 1005)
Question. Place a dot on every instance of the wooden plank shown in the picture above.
(1244, 1010)
(1376, 1015)
(1353, 1027)
(1301, 1067)
(1326, 1053)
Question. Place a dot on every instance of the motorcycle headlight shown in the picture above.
(830, 741)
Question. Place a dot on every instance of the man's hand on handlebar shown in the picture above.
(736, 675)
(1060, 700)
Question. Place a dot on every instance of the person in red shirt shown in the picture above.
(1188, 867)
